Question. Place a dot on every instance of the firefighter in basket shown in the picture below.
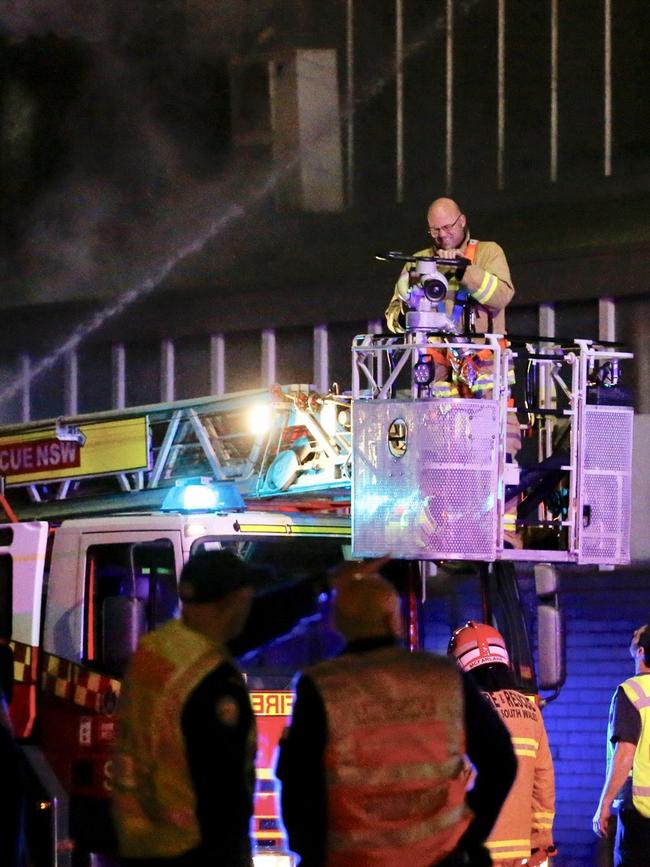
(471, 298)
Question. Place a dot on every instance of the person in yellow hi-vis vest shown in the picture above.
(627, 783)
(523, 832)
(185, 752)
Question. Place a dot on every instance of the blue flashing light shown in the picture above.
(203, 495)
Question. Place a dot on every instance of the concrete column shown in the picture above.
(71, 386)
(268, 358)
(167, 370)
(321, 359)
(217, 364)
(118, 363)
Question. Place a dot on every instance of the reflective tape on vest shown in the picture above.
(641, 700)
(399, 837)
(393, 774)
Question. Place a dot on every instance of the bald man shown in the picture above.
(487, 280)
(372, 767)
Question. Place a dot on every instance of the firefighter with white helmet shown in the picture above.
(523, 833)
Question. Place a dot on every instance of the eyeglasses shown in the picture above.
(437, 230)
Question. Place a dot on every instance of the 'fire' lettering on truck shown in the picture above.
(272, 711)
(272, 703)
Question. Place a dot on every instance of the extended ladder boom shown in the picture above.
(267, 442)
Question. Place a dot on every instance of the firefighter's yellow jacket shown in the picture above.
(526, 819)
(487, 280)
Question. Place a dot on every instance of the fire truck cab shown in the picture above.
(84, 592)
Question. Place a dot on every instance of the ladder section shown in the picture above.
(268, 442)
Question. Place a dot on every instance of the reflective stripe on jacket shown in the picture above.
(153, 799)
(394, 758)
(637, 689)
(464, 372)
(526, 819)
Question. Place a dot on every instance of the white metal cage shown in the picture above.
(536, 466)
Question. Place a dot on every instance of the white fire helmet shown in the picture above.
(477, 644)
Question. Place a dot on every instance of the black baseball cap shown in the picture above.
(211, 575)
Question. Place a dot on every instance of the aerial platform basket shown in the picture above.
(439, 478)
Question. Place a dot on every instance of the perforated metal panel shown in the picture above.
(438, 500)
(606, 485)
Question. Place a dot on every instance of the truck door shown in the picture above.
(125, 584)
(22, 564)
(130, 589)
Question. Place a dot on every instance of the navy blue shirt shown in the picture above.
(216, 722)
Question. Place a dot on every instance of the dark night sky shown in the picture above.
(117, 134)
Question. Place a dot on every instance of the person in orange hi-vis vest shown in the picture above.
(523, 833)
(373, 767)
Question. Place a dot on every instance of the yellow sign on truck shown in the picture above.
(98, 448)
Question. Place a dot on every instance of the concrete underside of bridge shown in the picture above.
(269, 269)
